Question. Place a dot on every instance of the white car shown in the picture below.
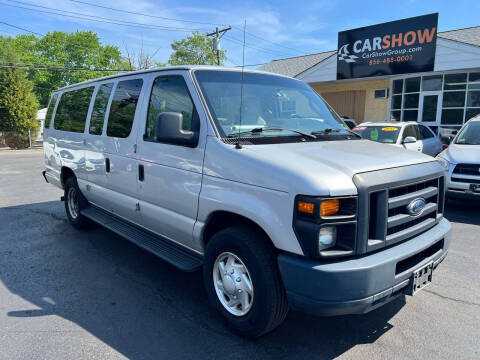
(409, 135)
(461, 161)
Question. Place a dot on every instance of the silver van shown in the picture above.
(253, 178)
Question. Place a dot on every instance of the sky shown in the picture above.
(274, 29)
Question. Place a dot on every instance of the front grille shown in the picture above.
(465, 180)
(467, 169)
(389, 220)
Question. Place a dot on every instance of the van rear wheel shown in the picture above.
(243, 282)
(74, 203)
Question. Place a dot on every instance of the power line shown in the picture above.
(269, 41)
(95, 18)
(258, 48)
(146, 15)
(183, 20)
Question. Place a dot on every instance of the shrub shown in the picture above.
(18, 108)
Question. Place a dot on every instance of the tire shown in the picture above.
(74, 203)
(268, 304)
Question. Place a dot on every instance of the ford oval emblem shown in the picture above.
(416, 206)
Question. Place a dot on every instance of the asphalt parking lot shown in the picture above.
(66, 293)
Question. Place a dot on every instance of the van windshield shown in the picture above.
(470, 134)
(277, 105)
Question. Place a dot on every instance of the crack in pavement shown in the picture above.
(452, 299)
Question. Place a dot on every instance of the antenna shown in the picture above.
(238, 146)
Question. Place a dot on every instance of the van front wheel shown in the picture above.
(74, 203)
(243, 282)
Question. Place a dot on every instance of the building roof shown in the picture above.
(468, 35)
(294, 66)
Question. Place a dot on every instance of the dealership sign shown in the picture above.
(397, 47)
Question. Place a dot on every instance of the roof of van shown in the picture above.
(166, 68)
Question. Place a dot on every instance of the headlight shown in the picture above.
(324, 226)
(445, 163)
(327, 237)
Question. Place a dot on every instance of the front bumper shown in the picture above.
(359, 285)
(462, 190)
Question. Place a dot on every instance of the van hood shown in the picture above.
(309, 168)
(459, 154)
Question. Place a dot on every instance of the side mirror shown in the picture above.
(169, 130)
(454, 132)
(409, 140)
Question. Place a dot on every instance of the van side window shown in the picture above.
(51, 106)
(99, 109)
(169, 94)
(72, 110)
(122, 109)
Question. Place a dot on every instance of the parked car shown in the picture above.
(208, 168)
(409, 135)
(461, 161)
(351, 123)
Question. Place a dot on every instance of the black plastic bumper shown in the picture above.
(359, 285)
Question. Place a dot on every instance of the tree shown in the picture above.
(81, 49)
(195, 49)
(18, 108)
(141, 59)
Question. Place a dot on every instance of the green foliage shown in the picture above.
(195, 49)
(18, 107)
(81, 49)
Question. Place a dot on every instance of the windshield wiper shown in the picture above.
(264, 129)
(332, 130)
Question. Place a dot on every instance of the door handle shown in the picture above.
(107, 165)
(141, 172)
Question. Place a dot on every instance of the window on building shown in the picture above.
(412, 84)
(474, 81)
(452, 117)
(455, 81)
(405, 99)
(99, 109)
(432, 83)
(122, 109)
(380, 93)
(51, 107)
(72, 110)
(410, 101)
(397, 86)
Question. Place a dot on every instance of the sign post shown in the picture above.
(396, 47)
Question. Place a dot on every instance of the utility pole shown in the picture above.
(217, 35)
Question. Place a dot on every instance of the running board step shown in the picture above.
(163, 248)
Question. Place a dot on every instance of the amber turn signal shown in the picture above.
(306, 207)
(329, 207)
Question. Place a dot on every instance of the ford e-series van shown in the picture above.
(253, 178)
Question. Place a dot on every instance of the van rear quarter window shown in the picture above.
(122, 109)
(49, 114)
(99, 109)
(72, 110)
